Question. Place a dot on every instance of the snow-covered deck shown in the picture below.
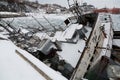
(14, 67)
(72, 52)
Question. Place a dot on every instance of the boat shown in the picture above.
(66, 54)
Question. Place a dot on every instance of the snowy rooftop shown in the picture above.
(68, 33)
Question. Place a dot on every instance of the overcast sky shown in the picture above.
(104, 3)
(97, 3)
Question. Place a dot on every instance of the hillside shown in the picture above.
(27, 6)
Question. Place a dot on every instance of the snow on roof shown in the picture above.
(61, 35)
(14, 67)
(68, 33)
(58, 35)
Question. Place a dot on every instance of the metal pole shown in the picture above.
(49, 23)
(39, 23)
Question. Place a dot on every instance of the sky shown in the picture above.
(96, 3)
(104, 3)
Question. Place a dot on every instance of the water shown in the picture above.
(116, 22)
(31, 22)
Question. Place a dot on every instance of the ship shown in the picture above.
(72, 53)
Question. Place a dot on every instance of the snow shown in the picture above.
(2, 36)
(9, 13)
(61, 35)
(107, 41)
(116, 42)
(51, 73)
(42, 35)
(68, 33)
(116, 22)
(116, 27)
(13, 67)
(54, 16)
(72, 52)
(24, 30)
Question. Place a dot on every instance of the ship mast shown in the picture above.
(75, 8)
